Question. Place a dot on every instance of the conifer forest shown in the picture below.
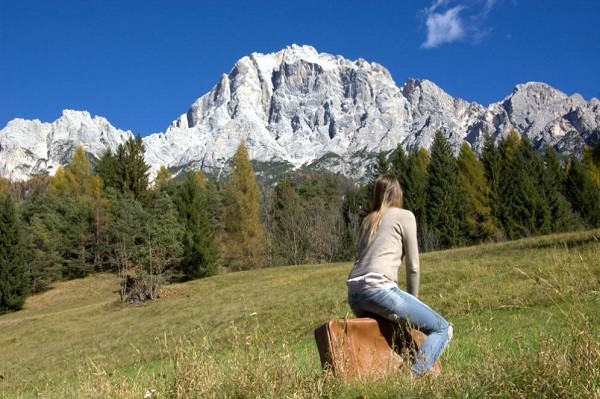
(108, 217)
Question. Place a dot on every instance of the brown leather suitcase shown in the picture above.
(366, 347)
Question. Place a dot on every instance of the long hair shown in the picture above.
(387, 193)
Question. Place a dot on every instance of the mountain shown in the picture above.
(30, 147)
(300, 108)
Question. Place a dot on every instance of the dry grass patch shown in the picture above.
(526, 317)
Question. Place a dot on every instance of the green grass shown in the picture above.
(526, 318)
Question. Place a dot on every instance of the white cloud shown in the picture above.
(449, 21)
(444, 27)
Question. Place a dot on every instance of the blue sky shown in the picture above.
(142, 63)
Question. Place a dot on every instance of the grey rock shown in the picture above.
(300, 108)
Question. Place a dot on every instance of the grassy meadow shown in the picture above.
(526, 318)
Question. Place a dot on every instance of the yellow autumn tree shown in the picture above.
(5, 185)
(163, 177)
(591, 161)
(75, 178)
(477, 193)
(58, 183)
(79, 181)
(244, 242)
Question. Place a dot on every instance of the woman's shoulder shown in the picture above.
(400, 212)
(400, 215)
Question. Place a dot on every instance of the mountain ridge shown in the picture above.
(299, 107)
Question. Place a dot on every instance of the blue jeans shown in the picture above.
(399, 306)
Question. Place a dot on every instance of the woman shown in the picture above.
(386, 235)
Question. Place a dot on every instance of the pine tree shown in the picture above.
(13, 275)
(493, 166)
(100, 218)
(107, 169)
(399, 165)
(126, 170)
(126, 236)
(65, 222)
(245, 236)
(353, 212)
(43, 259)
(583, 193)
(382, 166)
(163, 236)
(526, 210)
(561, 213)
(200, 253)
(445, 210)
(415, 189)
(79, 182)
(502, 178)
(477, 194)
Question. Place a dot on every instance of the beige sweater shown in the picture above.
(395, 238)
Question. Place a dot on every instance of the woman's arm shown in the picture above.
(411, 253)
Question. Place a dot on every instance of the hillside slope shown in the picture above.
(506, 301)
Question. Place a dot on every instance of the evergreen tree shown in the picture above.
(382, 166)
(477, 194)
(126, 236)
(214, 205)
(100, 218)
(200, 253)
(126, 170)
(43, 259)
(163, 236)
(399, 166)
(13, 275)
(244, 239)
(415, 190)
(509, 187)
(411, 171)
(353, 212)
(583, 193)
(562, 216)
(79, 182)
(445, 210)
(526, 210)
(63, 228)
(108, 171)
(493, 166)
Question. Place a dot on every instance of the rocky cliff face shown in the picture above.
(294, 107)
(33, 147)
(298, 107)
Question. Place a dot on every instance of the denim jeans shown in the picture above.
(399, 306)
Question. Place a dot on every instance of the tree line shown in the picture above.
(108, 217)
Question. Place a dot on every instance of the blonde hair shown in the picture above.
(387, 193)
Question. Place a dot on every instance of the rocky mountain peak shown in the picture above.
(301, 108)
(33, 147)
